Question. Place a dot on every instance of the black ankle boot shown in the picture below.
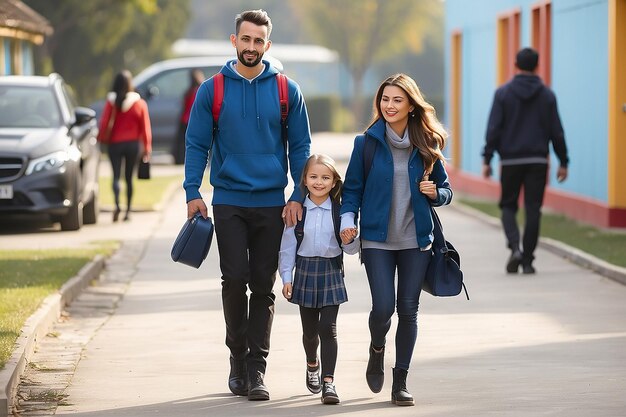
(375, 373)
(257, 390)
(238, 378)
(399, 394)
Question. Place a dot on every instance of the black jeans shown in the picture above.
(127, 152)
(320, 324)
(533, 178)
(248, 241)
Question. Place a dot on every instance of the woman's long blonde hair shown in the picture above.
(426, 133)
(328, 162)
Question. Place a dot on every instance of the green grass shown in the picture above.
(29, 276)
(147, 193)
(604, 244)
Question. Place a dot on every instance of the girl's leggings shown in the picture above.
(320, 325)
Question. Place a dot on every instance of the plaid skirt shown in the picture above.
(318, 282)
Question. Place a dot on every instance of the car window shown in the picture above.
(22, 106)
(171, 84)
(68, 92)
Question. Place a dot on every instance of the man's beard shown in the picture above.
(247, 63)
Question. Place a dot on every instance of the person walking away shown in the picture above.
(248, 172)
(406, 177)
(318, 286)
(196, 77)
(125, 129)
(524, 119)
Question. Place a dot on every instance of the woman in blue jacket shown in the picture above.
(393, 186)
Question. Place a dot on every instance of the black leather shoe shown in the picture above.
(375, 373)
(329, 394)
(512, 265)
(528, 269)
(313, 378)
(238, 378)
(257, 390)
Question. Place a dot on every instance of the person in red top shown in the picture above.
(125, 128)
(196, 78)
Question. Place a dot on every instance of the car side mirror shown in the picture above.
(83, 115)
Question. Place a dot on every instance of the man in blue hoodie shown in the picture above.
(249, 166)
(524, 120)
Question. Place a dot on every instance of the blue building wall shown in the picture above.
(579, 79)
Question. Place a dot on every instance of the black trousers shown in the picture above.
(512, 178)
(248, 241)
(320, 324)
(127, 152)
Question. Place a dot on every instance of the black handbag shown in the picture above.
(143, 170)
(444, 277)
(194, 241)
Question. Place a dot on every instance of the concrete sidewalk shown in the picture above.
(553, 344)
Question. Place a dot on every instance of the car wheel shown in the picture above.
(73, 220)
(91, 210)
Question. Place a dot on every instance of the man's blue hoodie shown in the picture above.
(249, 165)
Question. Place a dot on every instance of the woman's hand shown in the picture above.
(287, 290)
(428, 188)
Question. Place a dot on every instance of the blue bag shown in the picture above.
(193, 242)
(444, 277)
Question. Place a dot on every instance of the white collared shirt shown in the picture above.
(319, 239)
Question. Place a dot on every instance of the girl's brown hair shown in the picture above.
(426, 133)
(328, 162)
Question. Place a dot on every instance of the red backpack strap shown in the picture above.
(283, 95)
(218, 95)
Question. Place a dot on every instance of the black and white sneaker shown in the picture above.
(329, 394)
(313, 378)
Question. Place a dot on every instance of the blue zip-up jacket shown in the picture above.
(249, 165)
(373, 198)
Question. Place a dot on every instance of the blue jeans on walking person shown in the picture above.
(381, 266)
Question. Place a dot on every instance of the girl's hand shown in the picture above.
(287, 290)
(428, 188)
(348, 235)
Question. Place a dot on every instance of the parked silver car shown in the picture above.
(163, 85)
(49, 155)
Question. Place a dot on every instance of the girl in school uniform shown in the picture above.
(314, 248)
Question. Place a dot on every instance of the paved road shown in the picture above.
(553, 344)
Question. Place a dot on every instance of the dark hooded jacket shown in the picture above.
(523, 120)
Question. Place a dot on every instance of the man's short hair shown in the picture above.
(258, 17)
(527, 59)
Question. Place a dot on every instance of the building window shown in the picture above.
(508, 44)
(542, 38)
